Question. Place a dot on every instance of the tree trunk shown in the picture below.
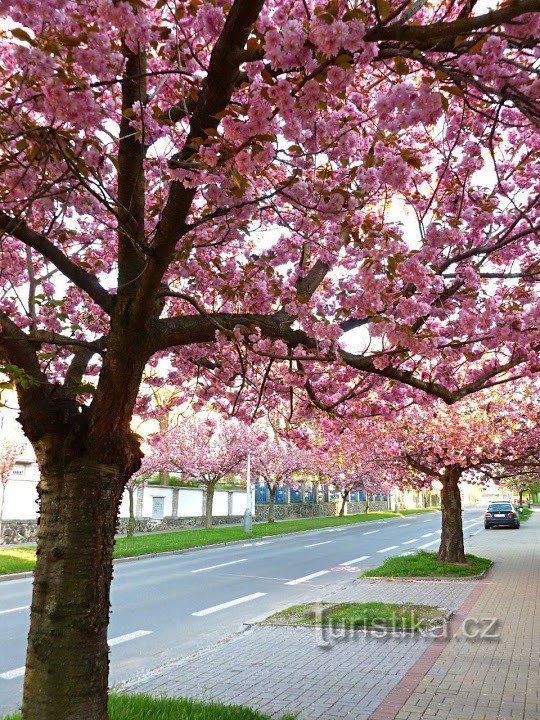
(164, 477)
(131, 521)
(367, 502)
(520, 500)
(272, 504)
(344, 498)
(452, 547)
(67, 659)
(209, 501)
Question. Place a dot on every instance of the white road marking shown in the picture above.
(231, 603)
(22, 607)
(371, 532)
(433, 542)
(18, 672)
(247, 544)
(404, 525)
(264, 542)
(12, 674)
(212, 567)
(430, 534)
(359, 559)
(319, 543)
(427, 520)
(307, 577)
(130, 636)
(476, 532)
(408, 542)
(391, 547)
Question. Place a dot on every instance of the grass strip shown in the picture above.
(143, 707)
(365, 616)
(20, 559)
(426, 564)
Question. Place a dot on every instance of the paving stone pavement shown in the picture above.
(492, 679)
(287, 670)
(299, 670)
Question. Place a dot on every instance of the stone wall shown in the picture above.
(15, 532)
(353, 508)
(143, 525)
(297, 510)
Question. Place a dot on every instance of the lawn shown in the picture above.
(425, 564)
(142, 707)
(21, 559)
(370, 615)
(526, 514)
(419, 510)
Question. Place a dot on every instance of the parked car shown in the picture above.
(501, 513)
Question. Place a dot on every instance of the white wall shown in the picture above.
(21, 500)
(190, 502)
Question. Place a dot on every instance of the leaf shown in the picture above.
(400, 66)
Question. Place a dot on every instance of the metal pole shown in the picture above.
(248, 515)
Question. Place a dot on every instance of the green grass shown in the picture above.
(425, 564)
(142, 707)
(526, 514)
(415, 511)
(17, 559)
(370, 615)
(22, 559)
(179, 540)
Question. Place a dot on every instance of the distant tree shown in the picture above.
(205, 449)
(276, 461)
(9, 452)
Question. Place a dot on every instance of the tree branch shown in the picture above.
(18, 229)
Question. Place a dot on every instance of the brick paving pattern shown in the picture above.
(491, 679)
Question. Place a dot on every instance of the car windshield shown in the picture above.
(500, 507)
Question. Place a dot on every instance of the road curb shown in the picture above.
(430, 578)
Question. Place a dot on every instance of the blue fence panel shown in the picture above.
(281, 495)
(261, 494)
(296, 495)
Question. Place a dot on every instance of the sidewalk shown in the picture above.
(398, 677)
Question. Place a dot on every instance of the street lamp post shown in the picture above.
(248, 516)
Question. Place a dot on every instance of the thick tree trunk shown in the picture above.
(367, 502)
(67, 660)
(131, 521)
(344, 498)
(452, 547)
(272, 504)
(209, 501)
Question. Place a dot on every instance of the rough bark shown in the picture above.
(209, 501)
(344, 498)
(452, 547)
(272, 504)
(67, 660)
(367, 502)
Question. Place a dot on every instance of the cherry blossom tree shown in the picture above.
(204, 449)
(226, 192)
(276, 461)
(9, 451)
(476, 440)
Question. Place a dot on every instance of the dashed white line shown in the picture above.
(225, 605)
(371, 532)
(18, 672)
(17, 609)
(307, 577)
(404, 525)
(358, 559)
(386, 549)
(12, 673)
(433, 542)
(213, 567)
(130, 636)
(319, 543)
(408, 542)
(430, 534)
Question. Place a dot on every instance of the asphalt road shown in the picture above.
(164, 608)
